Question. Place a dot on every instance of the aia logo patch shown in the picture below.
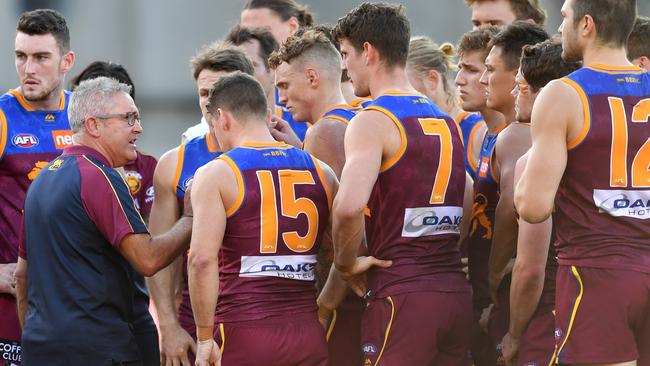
(25, 140)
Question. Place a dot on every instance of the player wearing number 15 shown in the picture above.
(263, 209)
(594, 152)
(405, 163)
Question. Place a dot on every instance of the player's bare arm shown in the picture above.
(149, 254)
(513, 142)
(527, 276)
(208, 229)
(535, 193)
(175, 342)
(365, 139)
(468, 201)
(321, 139)
(20, 276)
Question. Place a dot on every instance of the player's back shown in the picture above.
(273, 233)
(416, 204)
(603, 201)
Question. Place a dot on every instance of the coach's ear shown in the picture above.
(92, 126)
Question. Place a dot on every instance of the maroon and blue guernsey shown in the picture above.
(416, 204)
(602, 205)
(268, 256)
(29, 139)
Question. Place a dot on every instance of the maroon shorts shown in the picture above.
(9, 331)
(603, 316)
(419, 328)
(298, 341)
(344, 332)
(537, 343)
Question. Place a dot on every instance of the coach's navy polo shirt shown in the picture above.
(80, 287)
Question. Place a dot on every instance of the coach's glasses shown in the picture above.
(129, 117)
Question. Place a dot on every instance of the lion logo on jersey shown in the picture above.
(38, 166)
(479, 217)
(134, 180)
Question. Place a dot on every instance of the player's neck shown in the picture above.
(213, 139)
(326, 102)
(254, 132)
(51, 103)
(385, 79)
(605, 56)
(495, 121)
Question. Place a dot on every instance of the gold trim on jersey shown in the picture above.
(402, 149)
(23, 102)
(609, 69)
(4, 132)
(208, 143)
(586, 112)
(240, 185)
(179, 166)
(330, 329)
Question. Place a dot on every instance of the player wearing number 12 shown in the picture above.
(263, 209)
(405, 162)
(594, 152)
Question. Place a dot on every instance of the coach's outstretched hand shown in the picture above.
(356, 277)
(175, 344)
(207, 353)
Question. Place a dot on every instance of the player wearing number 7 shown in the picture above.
(405, 167)
(589, 165)
(262, 216)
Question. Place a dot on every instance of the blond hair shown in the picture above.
(426, 55)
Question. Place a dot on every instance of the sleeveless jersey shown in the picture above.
(300, 128)
(29, 139)
(341, 112)
(415, 207)
(603, 201)
(192, 155)
(486, 197)
(273, 232)
(361, 102)
(469, 124)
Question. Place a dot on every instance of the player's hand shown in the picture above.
(175, 343)
(7, 281)
(509, 349)
(355, 276)
(281, 131)
(484, 321)
(207, 353)
(464, 263)
(324, 314)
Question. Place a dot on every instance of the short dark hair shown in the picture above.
(523, 9)
(514, 37)
(543, 62)
(104, 68)
(285, 9)
(239, 94)
(46, 21)
(220, 59)
(614, 19)
(297, 45)
(638, 44)
(239, 35)
(385, 26)
(477, 40)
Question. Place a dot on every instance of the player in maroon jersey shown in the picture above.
(419, 307)
(589, 167)
(262, 212)
(308, 78)
(532, 294)
(502, 64)
(472, 50)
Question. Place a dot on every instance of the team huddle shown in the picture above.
(353, 195)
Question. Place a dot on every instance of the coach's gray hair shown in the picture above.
(92, 97)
